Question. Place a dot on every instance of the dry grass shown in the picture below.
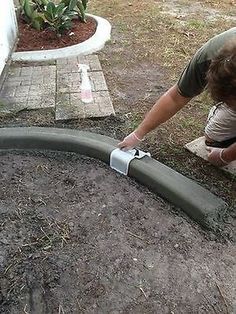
(158, 33)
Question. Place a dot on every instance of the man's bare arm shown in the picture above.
(165, 108)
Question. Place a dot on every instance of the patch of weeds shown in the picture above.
(134, 120)
(196, 24)
(122, 26)
(174, 150)
(110, 42)
(108, 8)
(231, 13)
(190, 123)
(204, 102)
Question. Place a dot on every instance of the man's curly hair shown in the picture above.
(221, 75)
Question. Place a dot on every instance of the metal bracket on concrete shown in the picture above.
(120, 159)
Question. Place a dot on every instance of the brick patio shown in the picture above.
(56, 85)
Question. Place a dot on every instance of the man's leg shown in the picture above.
(220, 130)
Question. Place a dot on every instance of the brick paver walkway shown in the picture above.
(56, 85)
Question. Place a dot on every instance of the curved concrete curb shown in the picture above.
(93, 44)
(197, 202)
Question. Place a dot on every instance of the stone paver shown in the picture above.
(56, 86)
(29, 88)
(68, 103)
(70, 106)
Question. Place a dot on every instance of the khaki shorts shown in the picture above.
(221, 123)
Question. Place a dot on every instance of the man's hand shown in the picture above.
(165, 108)
(130, 141)
(215, 156)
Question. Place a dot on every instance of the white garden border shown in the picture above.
(93, 44)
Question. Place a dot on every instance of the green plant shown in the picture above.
(40, 4)
(59, 17)
(79, 6)
(82, 6)
(31, 15)
(41, 13)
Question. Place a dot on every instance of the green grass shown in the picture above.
(197, 24)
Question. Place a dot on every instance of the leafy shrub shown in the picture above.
(32, 14)
(79, 6)
(59, 17)
(43, 13)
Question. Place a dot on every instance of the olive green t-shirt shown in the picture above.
(193, 79)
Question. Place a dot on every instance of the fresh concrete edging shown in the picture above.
(197, 202)
(93, 44)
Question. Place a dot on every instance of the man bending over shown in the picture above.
(212, 67)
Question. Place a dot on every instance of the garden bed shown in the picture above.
(94, 43)
(31, 39)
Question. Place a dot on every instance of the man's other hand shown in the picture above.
(215, 156)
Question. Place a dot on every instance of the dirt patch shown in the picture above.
(210, 10)
(30, 39)
(77, 237)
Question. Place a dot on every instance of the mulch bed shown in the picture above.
(31, 39)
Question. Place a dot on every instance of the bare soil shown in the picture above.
(30, 39)
(75, 241)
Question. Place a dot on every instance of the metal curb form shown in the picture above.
(93, 44)
(197, 202)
